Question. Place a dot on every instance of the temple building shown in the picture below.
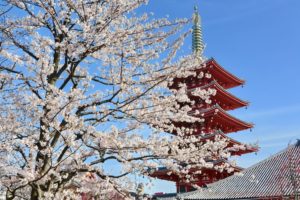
(217, 120)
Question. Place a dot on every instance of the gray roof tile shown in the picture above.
(278, 175)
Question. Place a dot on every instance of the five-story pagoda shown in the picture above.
(217, 121)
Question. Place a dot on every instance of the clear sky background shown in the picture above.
(258, 41)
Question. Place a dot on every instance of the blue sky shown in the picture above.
(258, 41)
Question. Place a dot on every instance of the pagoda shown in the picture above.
(217, 121)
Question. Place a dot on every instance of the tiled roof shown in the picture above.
(278, 175)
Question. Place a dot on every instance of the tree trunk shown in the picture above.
(35, 193)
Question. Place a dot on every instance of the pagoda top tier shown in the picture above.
(222, 76)
(217, 73)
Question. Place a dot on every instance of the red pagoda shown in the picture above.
(217, 120)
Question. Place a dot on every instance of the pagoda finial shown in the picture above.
(197, 34)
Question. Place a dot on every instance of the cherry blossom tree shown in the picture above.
(84, 92)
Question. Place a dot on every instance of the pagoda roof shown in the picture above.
(232, 143)
(268, 179)
(218, 119)
(166, 174)
(222, 76)
(225, 99)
